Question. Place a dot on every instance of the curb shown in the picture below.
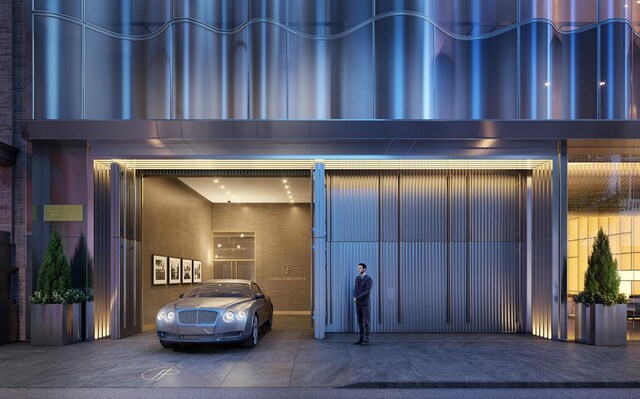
(493, 384)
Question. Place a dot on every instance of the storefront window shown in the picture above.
(604, 195)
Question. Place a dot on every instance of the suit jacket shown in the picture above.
(362, 289)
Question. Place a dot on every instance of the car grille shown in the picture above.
(197, 317)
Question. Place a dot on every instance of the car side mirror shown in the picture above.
(259, 295)
(182, 295)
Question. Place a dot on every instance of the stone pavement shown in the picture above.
(290, 357)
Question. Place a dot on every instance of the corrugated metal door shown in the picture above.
(444, 249)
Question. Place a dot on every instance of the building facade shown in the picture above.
(466, 151)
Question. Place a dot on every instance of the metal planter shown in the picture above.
(601, 325)
(56, 324)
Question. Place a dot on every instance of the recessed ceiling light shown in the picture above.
(238, 246)
(221, 187)
(228, 192)
(219, 245)
(216, 181)
(287, 187)
(288, 192)
(284, 180)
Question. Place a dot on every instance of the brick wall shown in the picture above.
(15, 104)
(21, 110)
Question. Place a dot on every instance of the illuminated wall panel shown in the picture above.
(444, 249)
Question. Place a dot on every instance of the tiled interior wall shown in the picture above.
(176, 223)
(282, 248)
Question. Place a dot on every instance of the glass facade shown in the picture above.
(607, 196)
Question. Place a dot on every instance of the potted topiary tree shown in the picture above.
(601, 311)
(55, 306)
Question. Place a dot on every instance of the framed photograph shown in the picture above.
(174, 270)
(197, 271)
(187, 270)
(159, 270)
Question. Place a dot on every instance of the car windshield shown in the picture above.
(220, 290)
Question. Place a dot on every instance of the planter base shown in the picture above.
(56, 324)
(601, 325)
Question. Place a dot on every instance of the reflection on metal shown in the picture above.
(542, 273)
(102, 255)
(118, 277)
(262, 61)
(464, 281)
(319, 238)
(600, 187)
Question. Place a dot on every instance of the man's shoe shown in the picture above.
(358, 343)
(365, 343)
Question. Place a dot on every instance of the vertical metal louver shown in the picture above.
(117, 275)
(443, 248)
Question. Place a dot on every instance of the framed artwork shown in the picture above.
(159, 270)
(187, 270)
(197, 271)
(174, 270)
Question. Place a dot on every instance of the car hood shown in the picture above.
(191, 303)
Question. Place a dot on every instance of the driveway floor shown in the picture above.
(288, 356)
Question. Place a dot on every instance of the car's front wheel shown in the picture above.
(252, 340)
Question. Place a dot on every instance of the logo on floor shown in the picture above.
(159, 372)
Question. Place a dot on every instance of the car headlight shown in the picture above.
(166, 316)
(242, 315)
(228, 317)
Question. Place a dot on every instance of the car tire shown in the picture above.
(252, 339)
(167, 345)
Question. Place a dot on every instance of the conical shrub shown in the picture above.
(601, 280)
(55, 272)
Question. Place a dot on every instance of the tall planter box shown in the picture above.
(601, 325)
(56, 324)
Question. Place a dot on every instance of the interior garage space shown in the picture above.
(226, 226)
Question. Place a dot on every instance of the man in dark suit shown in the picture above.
(363, 305)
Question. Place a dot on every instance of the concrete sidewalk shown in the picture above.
(287, 357)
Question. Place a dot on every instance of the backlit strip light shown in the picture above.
(510, 164)
(298, 164)
(212, 164)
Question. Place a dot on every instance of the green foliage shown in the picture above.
(601, 280)
(54, 277)
(55, 272)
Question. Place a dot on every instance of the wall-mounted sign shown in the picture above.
(63, 213)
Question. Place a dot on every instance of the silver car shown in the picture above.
(216, 311)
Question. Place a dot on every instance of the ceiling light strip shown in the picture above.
(358, 164)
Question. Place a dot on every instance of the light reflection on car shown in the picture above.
(216, 311)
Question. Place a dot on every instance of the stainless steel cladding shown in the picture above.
(542, 257)
(444, 248)
(118, 274)
(320, 59)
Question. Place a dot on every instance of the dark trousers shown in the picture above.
(364, 318)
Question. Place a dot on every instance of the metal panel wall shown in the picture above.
(457, 264)
(101, 197)
(542, 259)
(118, 262)
(335, 59)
